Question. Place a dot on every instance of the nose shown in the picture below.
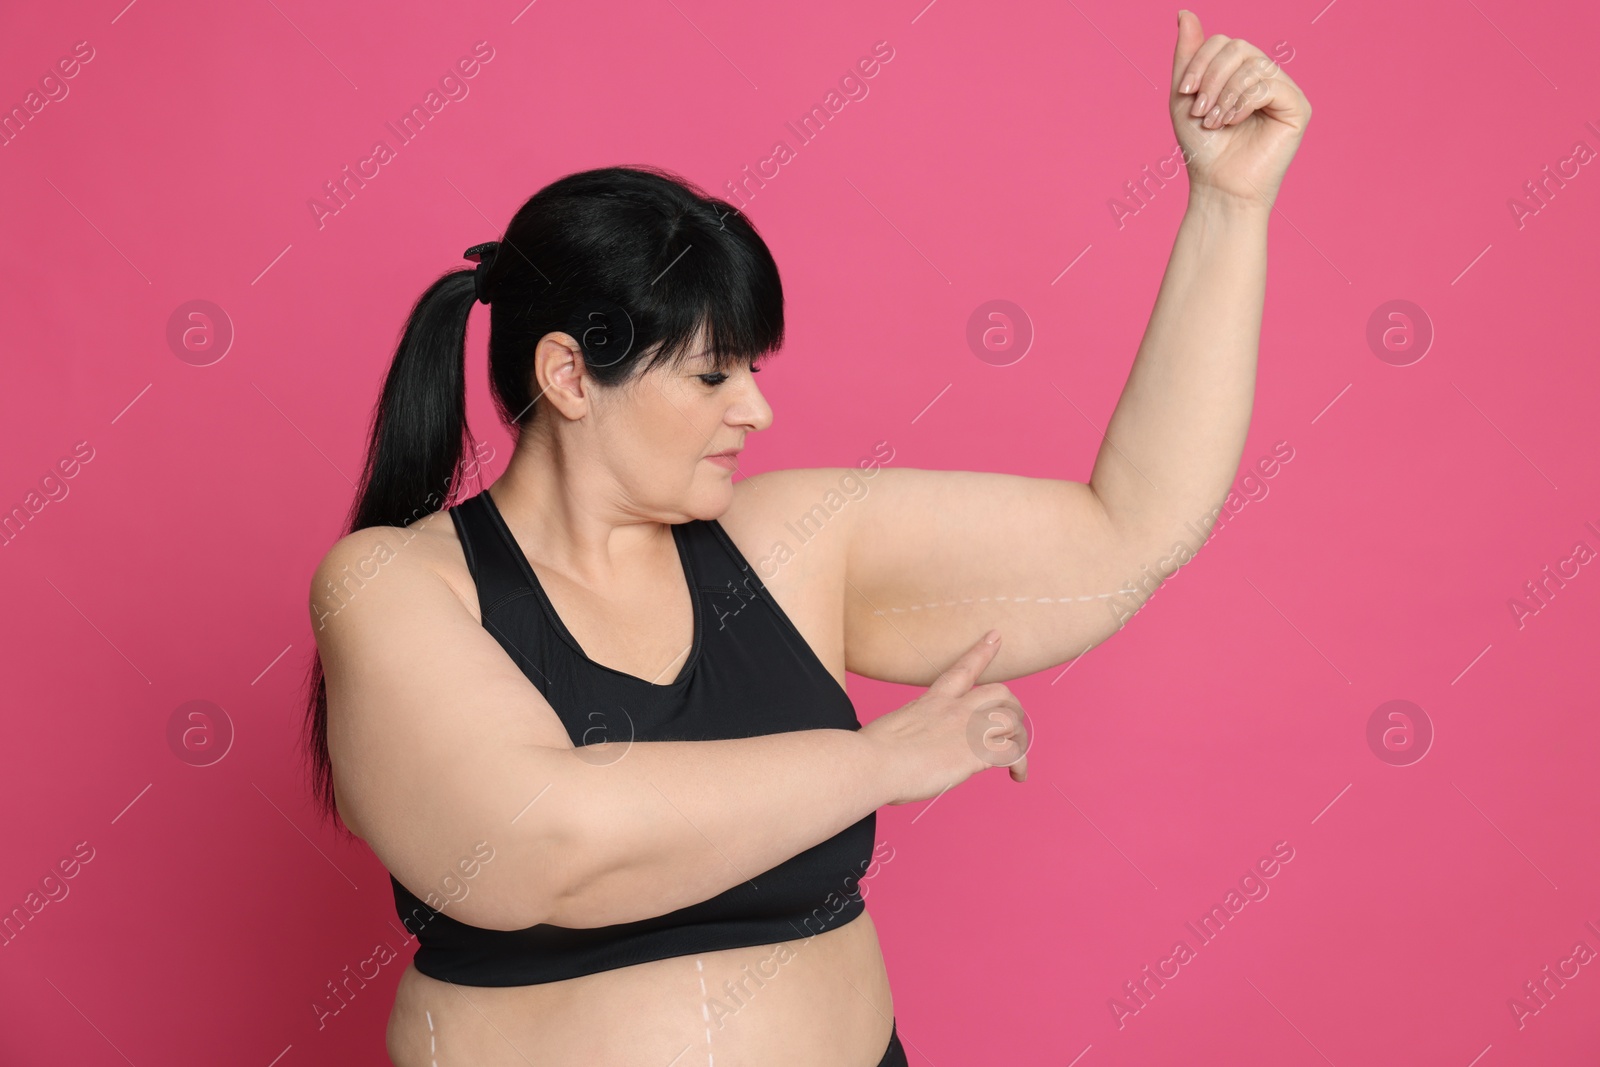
(751, 409)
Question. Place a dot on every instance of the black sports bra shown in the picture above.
(749, 673)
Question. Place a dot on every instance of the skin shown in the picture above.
(589, 494)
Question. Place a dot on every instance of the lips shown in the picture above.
(731, 453)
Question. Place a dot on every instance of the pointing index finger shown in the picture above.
(963, 674)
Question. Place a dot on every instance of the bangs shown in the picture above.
(722, 288)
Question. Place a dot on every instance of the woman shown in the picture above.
(608, 760)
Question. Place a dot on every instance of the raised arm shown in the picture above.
(931, 558)
(1174, 441)
(439, 742)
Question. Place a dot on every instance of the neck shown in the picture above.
(564, 510)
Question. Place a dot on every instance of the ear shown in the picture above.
(560, 377)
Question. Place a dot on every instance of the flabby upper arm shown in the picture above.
(936, 558)
(439, 742)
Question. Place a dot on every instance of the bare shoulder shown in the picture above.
(792, 523)
(793, 527)
(428, 547)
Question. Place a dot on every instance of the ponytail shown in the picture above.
(415, 443)
(419, 428)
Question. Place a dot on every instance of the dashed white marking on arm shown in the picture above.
(1013, 599)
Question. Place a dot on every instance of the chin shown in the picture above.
(710, 502)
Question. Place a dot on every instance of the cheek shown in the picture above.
(669, 429)
(665, 438)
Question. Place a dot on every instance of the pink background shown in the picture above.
(1230, 715)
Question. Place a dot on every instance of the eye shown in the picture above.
(718, 377)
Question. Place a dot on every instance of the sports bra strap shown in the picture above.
(491, 551)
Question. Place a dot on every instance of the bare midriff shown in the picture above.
(803, 1003)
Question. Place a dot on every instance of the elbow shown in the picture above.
(578, 897)
(513, 880)
(606, 875)
(570, 859)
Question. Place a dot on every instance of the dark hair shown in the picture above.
(632, 262)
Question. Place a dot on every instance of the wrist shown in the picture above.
(880, 765)
(1210, 200)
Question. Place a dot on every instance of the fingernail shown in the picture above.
(991, 637)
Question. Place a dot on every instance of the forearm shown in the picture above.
(1174, 442)
(666, 824)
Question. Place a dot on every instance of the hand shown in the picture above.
(1240, 145)
(952, 731)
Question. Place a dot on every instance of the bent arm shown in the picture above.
(932, 559)
(672, 823)
(453, 767)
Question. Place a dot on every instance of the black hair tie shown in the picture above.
(483, 256)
